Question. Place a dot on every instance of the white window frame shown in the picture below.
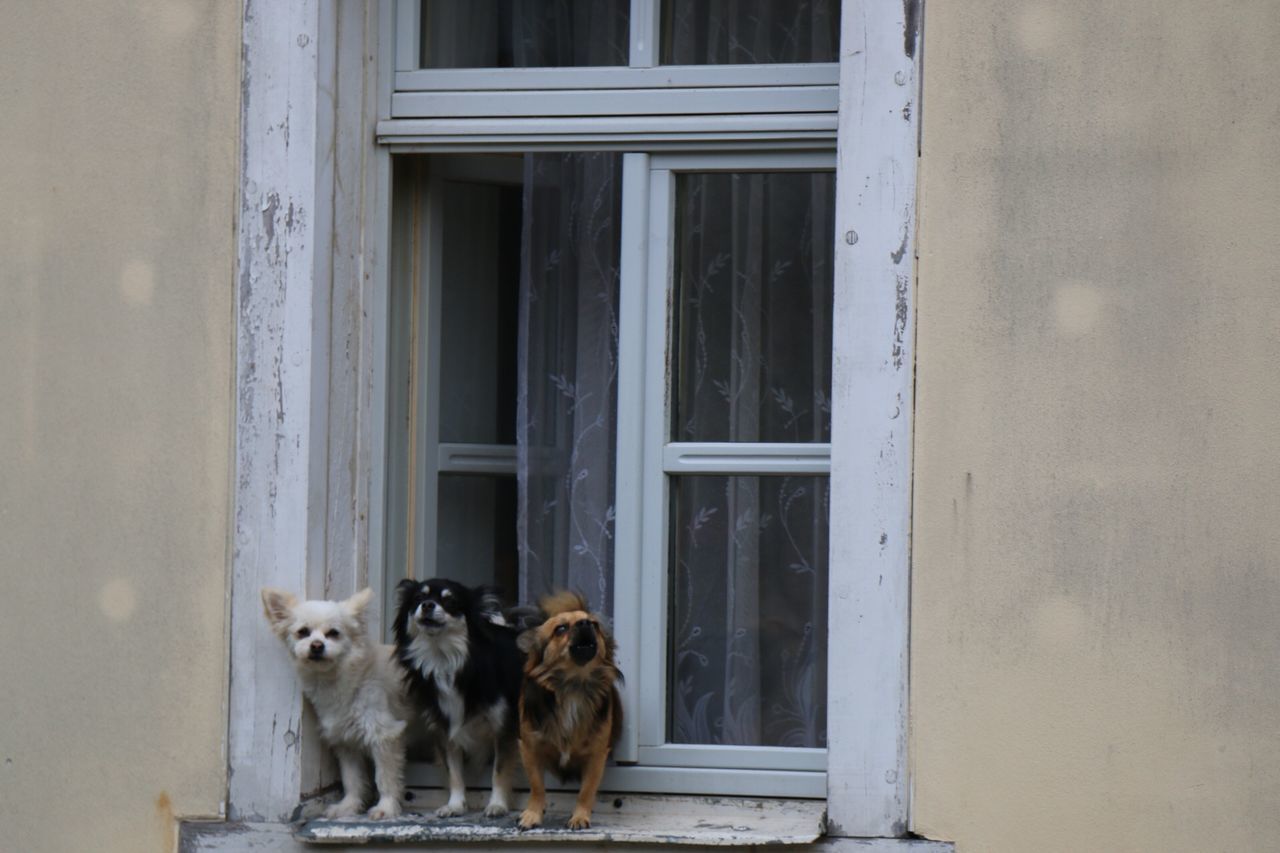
(646, 760)
(312, 285)
(665, 458)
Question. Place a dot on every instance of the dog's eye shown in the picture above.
(332, 633)
(560, 629)
(303, 633)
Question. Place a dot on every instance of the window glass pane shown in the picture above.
(743, 32)
(525, 33)
(476, 532)
(753, 274)
(481, 276)
(748, 611)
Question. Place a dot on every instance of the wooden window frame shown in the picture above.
(312, 286)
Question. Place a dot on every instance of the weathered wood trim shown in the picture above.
(276, 452)
(309, 253)
(872, 392)
(308, 421)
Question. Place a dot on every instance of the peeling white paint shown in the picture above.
(872, 384)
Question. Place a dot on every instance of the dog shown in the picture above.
(463, 672)
(570, 709)
(356, 689)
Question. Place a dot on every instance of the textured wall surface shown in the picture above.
(1096, 570)
(118, 147)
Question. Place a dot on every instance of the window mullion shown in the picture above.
(629, 466)
(645, 31)
(408, 34)
(652, 705)
(728, 457)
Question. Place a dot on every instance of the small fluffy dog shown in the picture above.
(570, 710)
(356, 689)
(464, 678)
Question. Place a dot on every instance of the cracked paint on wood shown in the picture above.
(273, 381)
(872, 390)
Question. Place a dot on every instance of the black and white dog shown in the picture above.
(464, 674)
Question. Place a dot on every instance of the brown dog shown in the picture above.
(570, 710)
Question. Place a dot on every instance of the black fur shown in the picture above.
(494, 666)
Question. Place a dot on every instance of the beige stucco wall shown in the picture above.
(118, 144)
(1096, 570)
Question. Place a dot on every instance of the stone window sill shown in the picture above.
(620, 818)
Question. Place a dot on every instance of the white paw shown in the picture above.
(496, 809)
(386, 807)
(451, 809)
(343, 808)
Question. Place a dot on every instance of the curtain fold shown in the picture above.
(568, 366)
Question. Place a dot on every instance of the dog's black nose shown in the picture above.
(583, 646)
(317, 646)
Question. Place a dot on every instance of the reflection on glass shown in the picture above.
(524, 33)
(748, 612)
(749, 32)
(480, 286)
(475, 536)
(753, 272)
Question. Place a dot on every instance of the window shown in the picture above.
(610, 327)
(319, 398)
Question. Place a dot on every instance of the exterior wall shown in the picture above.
(118, 168)
(1095, 580)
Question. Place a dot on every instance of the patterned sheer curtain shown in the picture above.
(748, 609)
(753, 347)
(568, 367)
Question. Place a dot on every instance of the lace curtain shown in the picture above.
(749, 574)
(568, 366)
(747, 609)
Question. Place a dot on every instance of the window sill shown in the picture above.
(623, 818)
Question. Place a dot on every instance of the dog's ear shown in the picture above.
(404, 589)
(278, 606)
(610, 647)
(531, 644)
(357, 605)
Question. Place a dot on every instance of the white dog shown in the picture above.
(357, 691)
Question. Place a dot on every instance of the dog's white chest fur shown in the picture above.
(440, 657)
(359, 704)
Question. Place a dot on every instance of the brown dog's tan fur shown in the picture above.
(570, 711)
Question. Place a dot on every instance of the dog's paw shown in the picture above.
(387, 807)
(581, 819)
(451, 809)
(530, 819)
(496, 810)
(343, 808)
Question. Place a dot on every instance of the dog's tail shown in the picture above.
(490, 604)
